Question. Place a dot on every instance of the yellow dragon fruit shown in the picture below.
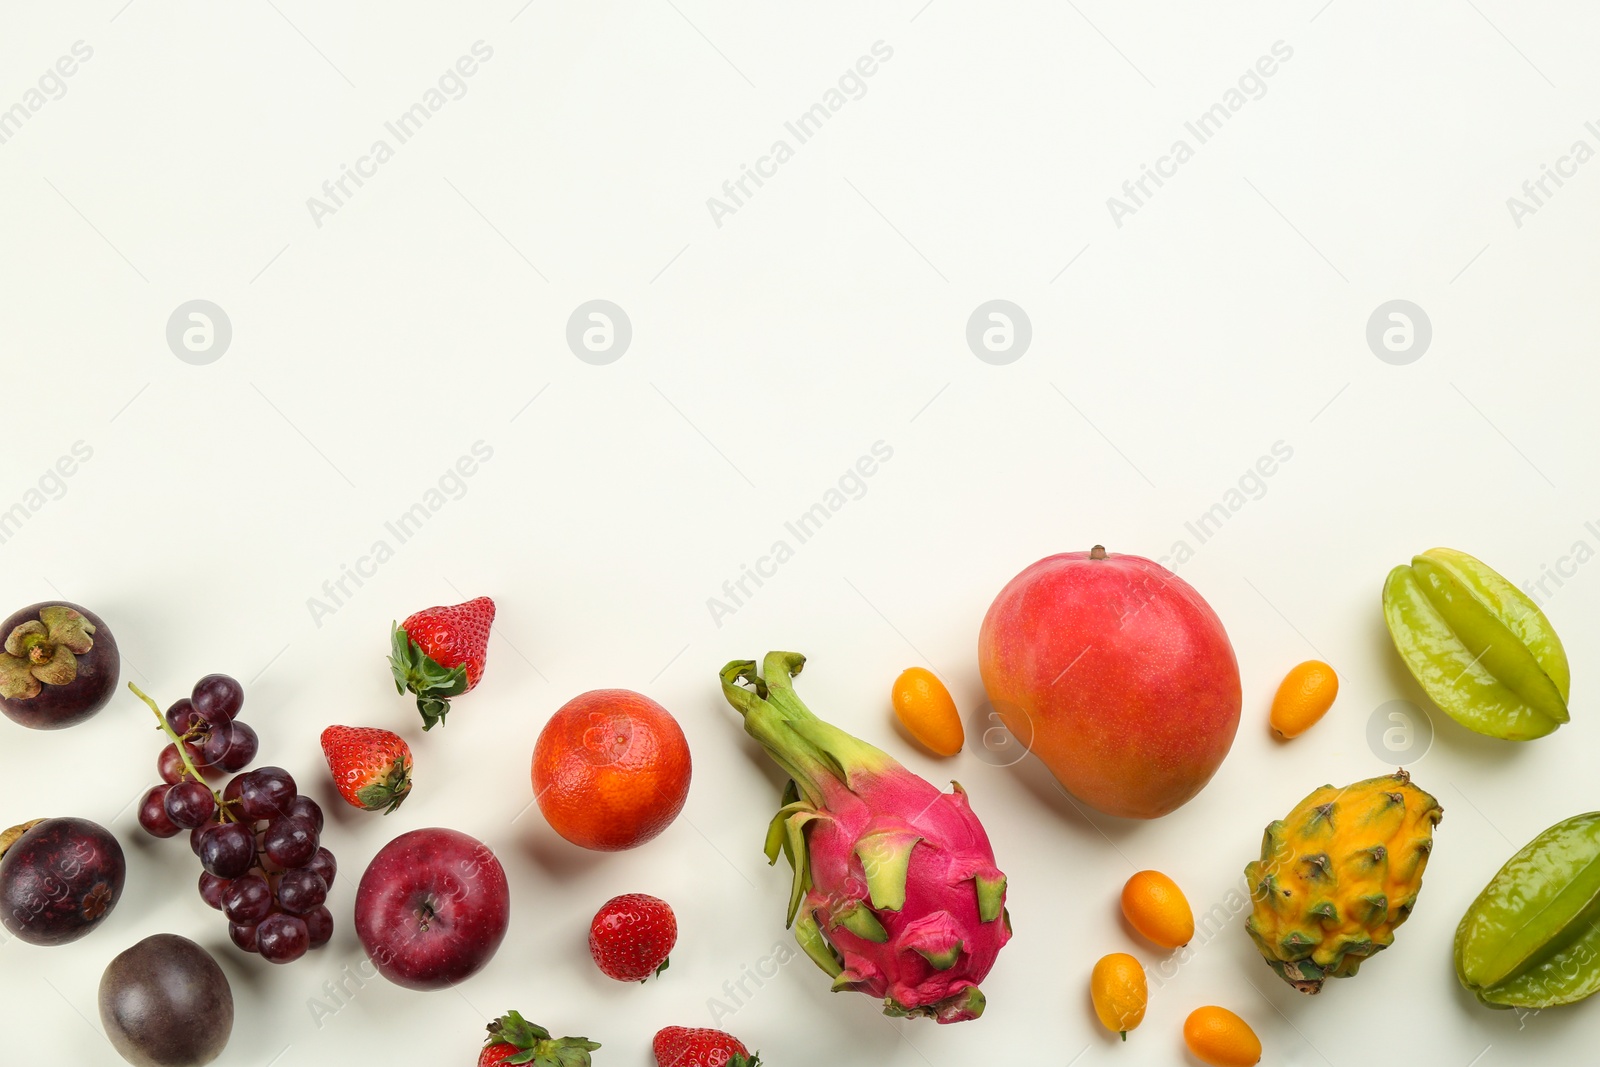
(1337, 875)
(896, 893)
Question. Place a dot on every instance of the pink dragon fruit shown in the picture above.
(896, 893)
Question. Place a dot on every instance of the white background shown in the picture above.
(768, 354)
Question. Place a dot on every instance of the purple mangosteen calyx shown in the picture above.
(44, 651)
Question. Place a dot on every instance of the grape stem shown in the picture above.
(183, 749)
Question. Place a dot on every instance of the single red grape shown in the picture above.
(267, 792)
(289, 841)
(301, 891)
(217, 699)
(303, 807)
(325, 865)
(282, 938)
(232, 747)
(228, 850)
(243, 936)
(212, 889)
(248, 900)
(181, 716)
(319, 924)
(170, 765)
(190, 804)
(153, 813)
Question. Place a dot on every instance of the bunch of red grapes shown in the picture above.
(258, 840)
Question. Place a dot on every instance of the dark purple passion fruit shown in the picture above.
(165, 1003)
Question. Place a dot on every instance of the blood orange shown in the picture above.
(611, 770)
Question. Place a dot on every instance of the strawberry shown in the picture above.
(439, 653)
(679, 1046)
(513, 1039)
(371, 767)
(631, 936)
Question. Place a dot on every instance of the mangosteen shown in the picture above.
(59, 879)
(59, 665)
(165, 1003)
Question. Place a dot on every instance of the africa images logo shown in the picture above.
(450, 85)
(51, 85)
(1251, 85)
(851, 85)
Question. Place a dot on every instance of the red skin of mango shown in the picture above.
(1116, 674)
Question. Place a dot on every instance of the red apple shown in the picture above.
(1115, 673)
(432, 908)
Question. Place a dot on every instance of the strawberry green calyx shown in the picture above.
(537, 1046)
(417, 672)
(388, 793)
